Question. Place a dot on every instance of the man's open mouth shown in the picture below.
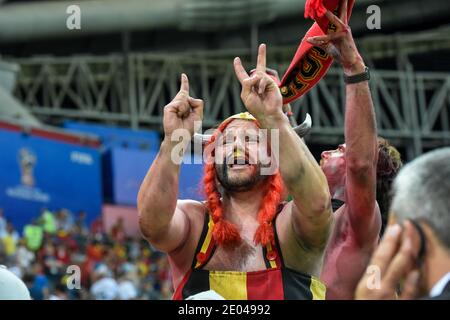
(238, 162)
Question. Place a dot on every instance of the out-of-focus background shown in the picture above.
(82, 91)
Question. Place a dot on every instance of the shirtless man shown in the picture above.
(351, 170)
(243, 242)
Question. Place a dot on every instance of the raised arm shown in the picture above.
(162, 222)
(361, 150)
(311, 213)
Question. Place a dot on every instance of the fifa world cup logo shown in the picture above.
(27, 161)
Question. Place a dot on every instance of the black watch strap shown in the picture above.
(360, 77)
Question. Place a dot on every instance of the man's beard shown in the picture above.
(238, 184)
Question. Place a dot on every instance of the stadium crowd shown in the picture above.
(106, 264)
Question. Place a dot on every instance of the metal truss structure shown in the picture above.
(412, 108)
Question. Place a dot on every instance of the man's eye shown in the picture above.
(228, 140)
(252, 139)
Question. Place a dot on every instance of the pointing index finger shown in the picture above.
(184, 83)
(261, 62)
(343, 11)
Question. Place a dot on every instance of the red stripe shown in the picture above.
(52, 135)
(178, 294)
(265, 285)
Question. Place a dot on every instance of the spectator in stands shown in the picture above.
(24, 256)
(2, 223)
(33, 234)
(10, 240)
(137, 271)
(37, 283)
(416, 249)
(97, 228)
(105, 286)
(118, 230)
(126, 287)
(81, 223)
(48, 222)
(60, 293)
(64, 220)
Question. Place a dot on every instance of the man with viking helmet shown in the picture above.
(243, 242)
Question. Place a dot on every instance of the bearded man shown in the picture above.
(243, 242)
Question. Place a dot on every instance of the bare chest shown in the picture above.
(344, 262)
(245, 258)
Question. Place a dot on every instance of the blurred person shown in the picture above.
(48, 221)
(59, 293)
(16, 269)
(47, 256)
(415, 251)
(97, 228)
(352, 169)
(118, 231)
(134, 249)
(81, 221)
(37, 283)
(24, 256)
(126, 287)
(3, 223)
(104, 287)
(245, 229)
(62, 253)
(10, 240)
(148, 290)
(64, 221)
(33, 234)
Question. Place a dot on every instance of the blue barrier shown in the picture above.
(127, 168)
(38, 172)
(118, 137)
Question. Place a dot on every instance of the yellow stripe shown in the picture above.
(318, 289)
(207, 241)
(230, 285)
(273, 263)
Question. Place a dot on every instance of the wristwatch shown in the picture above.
(360, 77)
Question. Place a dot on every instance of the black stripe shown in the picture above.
(210, 255)
(296, 286)
(197, 282)
(336, 204)
(202, 239)
(277, 243)
(266, 261)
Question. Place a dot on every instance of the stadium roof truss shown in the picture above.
(412, 108)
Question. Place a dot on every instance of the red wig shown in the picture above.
(224, 232)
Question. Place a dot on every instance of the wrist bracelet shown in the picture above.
(360, 77)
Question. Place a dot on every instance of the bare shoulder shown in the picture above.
(182, 257)
(296, 256)
(192, 208)
(195, 212)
